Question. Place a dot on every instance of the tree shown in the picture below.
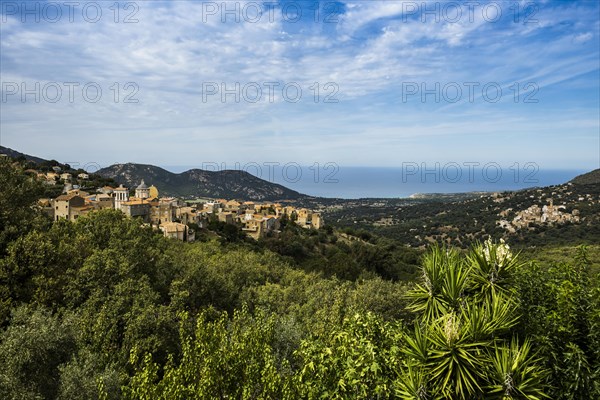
(31, 350)
(18, 195)
(222, 359)
(87, 377)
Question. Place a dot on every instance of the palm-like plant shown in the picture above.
(491, 318)
(435, 295)
(455, 364)
(466, 308)
(417, 346)
(491, 267)
(514, 373)
(413, 384)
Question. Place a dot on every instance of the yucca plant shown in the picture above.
(491, 318)
(413, 384)
(459, 346)
(455, 285)
(515, 373)
(456, 361)
(417, 346)
(491, 266)
(434, 295)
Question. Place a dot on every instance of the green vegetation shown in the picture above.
(460, 223)
(18, 192)
(590, 178)
(106, 308)
(342, 254)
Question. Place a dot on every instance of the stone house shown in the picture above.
(175, 230)
(139, 208)
(70, 207)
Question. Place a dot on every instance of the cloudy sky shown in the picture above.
(363, 83)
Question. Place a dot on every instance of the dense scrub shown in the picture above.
(462, 222)
(105, 308)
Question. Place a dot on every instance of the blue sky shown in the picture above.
(370, 56)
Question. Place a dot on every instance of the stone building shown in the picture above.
(70, 207)
(309, 219)
(103, 201)
(139, 208)
(161, 212)
(175, 230)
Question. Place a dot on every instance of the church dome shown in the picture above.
(142, 186)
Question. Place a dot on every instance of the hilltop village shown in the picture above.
(174, 216)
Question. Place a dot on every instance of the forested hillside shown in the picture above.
(106, 308)
(572, 217)
(230, 184)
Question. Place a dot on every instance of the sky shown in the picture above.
(352, 83)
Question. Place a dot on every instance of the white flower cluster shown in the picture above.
(451, 328)
(497, 253)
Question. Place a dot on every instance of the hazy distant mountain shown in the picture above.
(15, 154)
(229, 184)
(590, 178)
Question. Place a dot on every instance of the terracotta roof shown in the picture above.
(135, 201)
(66, 197)
(171, 227)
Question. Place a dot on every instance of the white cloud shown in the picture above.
(171, 52)
(583, 37)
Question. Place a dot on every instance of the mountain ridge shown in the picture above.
(589, 178)
(200, 183)
(225, 183)
(16, 154)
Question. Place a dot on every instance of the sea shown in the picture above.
(402, 182)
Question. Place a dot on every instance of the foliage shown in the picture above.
(459, 348)
(223, 359)
(31, 350)
(107, 308)
(354, 360)
(18, 194)
(560, 306)
(334, 253)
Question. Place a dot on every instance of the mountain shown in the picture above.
(15, 154)
(229, 184)
(590, 178)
